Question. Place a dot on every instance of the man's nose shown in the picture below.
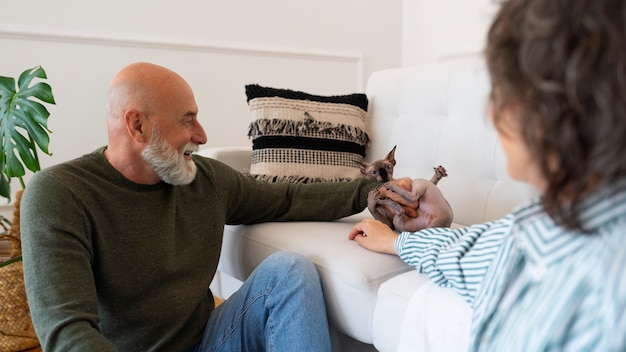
(198, 135)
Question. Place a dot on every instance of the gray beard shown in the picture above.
(167, 162)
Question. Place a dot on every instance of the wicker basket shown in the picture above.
(16, 327)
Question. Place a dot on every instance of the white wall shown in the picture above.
(444, 30)
(322, 46)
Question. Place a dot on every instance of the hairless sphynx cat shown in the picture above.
(426, 205)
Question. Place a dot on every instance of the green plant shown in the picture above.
(23, 129)
(23, 125)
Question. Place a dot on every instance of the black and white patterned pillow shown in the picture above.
(301, 137)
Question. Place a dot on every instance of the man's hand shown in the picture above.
(406, 183)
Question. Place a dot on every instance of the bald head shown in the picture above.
(145, 87)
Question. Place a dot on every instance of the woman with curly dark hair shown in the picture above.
(552, 274)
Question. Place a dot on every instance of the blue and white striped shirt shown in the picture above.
(532, 285)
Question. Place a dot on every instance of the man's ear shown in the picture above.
(136, 125)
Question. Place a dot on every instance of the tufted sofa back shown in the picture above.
(438, 115)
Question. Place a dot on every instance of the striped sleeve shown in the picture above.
(456, 258)
(613, 303)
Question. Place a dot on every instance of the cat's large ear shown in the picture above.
(363, 166)
(391, 156)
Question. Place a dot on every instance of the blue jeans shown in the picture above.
(279, 308)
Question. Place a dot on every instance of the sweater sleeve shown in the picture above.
(456, 258)
(57, 269)
(250, 201)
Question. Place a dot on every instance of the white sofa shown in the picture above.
(436, 115)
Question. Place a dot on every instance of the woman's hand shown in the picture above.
(374, 235)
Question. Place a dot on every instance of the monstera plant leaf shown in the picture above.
(23, 125)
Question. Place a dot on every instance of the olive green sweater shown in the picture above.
(113, 265)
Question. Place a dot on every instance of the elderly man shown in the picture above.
(120, 245)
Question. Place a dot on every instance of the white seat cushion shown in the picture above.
(393, 299)
(350, 274)
(413, 314)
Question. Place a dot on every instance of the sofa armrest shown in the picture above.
(239, 158)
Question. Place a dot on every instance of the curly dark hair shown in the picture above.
(560, 65)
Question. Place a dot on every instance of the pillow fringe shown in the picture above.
(297, 179)
(262, 127)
